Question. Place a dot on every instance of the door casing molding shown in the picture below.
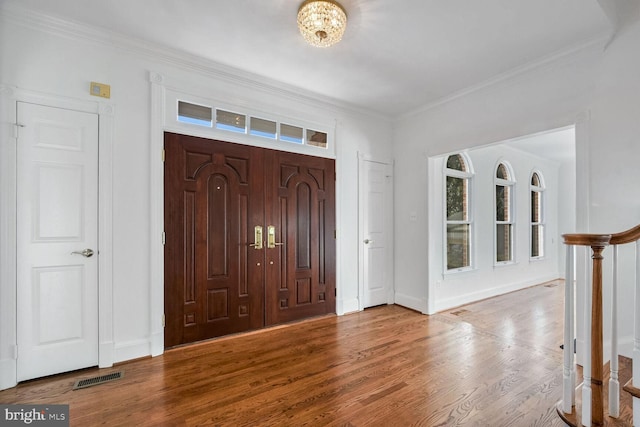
(159, 123)
(9, 97)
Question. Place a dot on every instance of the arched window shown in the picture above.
(505, 219)
(457, 212)
(537, 216)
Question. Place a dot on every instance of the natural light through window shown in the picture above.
(247, 124)
(458, 219)
(537, 216)
(505, 185)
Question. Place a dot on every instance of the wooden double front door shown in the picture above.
(250, 238)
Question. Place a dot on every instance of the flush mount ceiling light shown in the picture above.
(322, 22)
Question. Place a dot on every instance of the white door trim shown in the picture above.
(9, 96)
(156, 217)
(361, 232)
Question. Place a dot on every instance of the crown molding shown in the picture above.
(36, 20)
(598, 42)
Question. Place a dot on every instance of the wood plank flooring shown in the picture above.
(492, 363)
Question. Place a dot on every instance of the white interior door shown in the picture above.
(375, 189)
(57, 277)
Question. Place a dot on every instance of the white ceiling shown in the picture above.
(396, 55)
(557, 145)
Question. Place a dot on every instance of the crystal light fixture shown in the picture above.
(322, 22)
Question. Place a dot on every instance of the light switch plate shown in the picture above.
(100, 89)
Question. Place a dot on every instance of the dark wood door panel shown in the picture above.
(213, 200)
(301, 205)
(216, 193)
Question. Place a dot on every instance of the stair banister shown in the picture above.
(592, 413)
(592, 388)
(630, 236)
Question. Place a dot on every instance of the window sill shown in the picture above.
(457, 271)
(504, 264)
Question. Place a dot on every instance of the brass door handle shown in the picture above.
(257, 237)
(271, 237)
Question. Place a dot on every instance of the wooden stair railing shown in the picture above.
(592, 388)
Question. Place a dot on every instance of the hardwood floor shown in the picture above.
(492, 363)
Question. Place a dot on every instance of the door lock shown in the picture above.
(271, 237)
(257, 237)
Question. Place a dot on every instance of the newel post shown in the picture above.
(597, 407)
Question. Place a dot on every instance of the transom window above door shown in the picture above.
(253, 125)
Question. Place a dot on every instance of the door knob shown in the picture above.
(85, 253)
(367, 241)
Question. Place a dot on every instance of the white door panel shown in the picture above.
(376, 208)
(57, 291)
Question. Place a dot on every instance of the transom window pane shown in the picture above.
(291, 133)
(234, 122)
(502, 172)
(261, 127)
(194, 114)
(317, 139)
(456, 162)
(535, 180)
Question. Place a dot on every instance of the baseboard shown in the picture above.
(131, 350)
(457, 301)
(8, 369)
(411, 302)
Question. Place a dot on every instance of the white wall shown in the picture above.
(612, 136)
(485, 278)
(566, 208)
(57, 58)
(543, 97)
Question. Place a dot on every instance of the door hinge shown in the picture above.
(335, 234)
(335, 292)
(164, 153)
(164, 237)
(15, 352)
(163, 321)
